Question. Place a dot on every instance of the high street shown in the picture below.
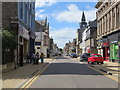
(70, 73)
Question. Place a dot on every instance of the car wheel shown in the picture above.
(88, 62)
(97, 62)
(92, 62)
(102, 63)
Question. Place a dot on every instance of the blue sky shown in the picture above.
(64, 18)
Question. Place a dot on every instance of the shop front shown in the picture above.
(99, 47)
(114, 47)
(119, 46)
(88, 50)
(23, 48)
(106, 49)
(114, 51)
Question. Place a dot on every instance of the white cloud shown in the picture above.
(63, 36)
(39, 14)
(43, 3)
(73, 14)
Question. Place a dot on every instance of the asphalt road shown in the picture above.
(69, 73)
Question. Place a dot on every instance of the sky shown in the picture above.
(64, 17)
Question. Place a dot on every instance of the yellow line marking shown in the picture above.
(36, 76)
(28, 81)
(111, 77)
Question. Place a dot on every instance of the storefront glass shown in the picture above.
(114, 51)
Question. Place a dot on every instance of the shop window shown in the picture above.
(114, 51)
(38, 47)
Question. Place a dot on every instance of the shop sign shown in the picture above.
(106, 43)
(114, 41)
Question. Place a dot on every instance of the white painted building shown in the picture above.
(83, 41)
(42, 39)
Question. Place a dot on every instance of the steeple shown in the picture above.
(83, 22)
(46, 21)
(83, 17)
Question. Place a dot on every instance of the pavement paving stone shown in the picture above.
(13, 78)
(109, 67)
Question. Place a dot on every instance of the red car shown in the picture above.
(95, 58)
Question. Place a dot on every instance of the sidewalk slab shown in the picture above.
(14, 78)
(110, 68)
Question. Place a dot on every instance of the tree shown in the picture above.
(9, 44)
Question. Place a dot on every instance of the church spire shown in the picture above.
(83, 17)
(83, 22)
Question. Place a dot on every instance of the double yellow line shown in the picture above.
(28, 83)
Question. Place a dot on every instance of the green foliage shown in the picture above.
(9, 40)
(9, 43)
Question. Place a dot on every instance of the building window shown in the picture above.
(25, 11)
(109, 20)
(113, 18)
(117, 15)
(106, 23)
(103, 25)
(38, 47)
(21, 10)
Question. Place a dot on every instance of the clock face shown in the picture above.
(83, 25)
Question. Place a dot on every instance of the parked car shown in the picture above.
(84, 57)
(73, 55)
(95, 58)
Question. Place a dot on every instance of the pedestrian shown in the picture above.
(37, 58)
(42, 57)
(33, 58)
(28, 59)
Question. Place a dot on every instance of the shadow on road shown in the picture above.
(69, 68)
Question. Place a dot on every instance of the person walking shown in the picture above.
(37, 58)
(42, 57)
(33, 58)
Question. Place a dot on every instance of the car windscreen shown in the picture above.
(86, 54)
(97, 56)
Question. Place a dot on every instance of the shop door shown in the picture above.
(21, 55)
(104, 54)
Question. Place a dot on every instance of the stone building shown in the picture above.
(66, 49)
(19, 17)
(51, 46)
(83, 25)
(42, 39)
(108, 29)
(73, 46)
(90, 39)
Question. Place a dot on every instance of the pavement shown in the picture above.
(15, 77)
(111, 68)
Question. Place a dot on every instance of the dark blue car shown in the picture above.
(73, 55)
(84, 57)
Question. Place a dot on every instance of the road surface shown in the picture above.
(70, 73)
